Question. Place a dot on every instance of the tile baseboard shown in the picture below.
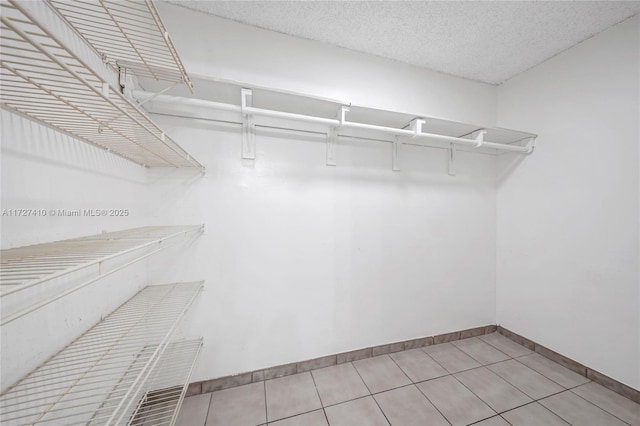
(226, 382)
(583, 370)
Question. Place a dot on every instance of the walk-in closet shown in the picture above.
(246, 213)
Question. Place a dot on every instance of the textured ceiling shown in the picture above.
(488, 41)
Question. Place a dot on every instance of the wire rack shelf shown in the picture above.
(27, 268)
(124, 370)
(127, 34)
(45, 78)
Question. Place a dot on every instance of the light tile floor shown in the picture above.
(485, 381)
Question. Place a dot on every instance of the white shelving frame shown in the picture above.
(29, 268)
(128, 35)
(124, 370)
(283, 110)
(51, 75)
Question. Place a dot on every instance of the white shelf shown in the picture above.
(160, 405)
(50, 75)
(123, 370)
(127, 35)
(222, 100)
(27, 269)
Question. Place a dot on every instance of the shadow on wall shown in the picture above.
(26, 139)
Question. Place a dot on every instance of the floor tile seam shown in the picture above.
(360, 375)
(478, 361)
(326, 417)
(380, 408)
(558, 393)
(510, 356)
(480, 364)
(524, 392)
(478, 421)
(209, 409)
(541, 373)
(294, 415)
(436, 361)
(266, 406)
(370, 394)
(482, 400)
(486, 403)
(319, 397)
(403, 372)
(532, 402)
(596, 405)
(434, 405)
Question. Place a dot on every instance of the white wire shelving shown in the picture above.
(128, 34)
(27, 269)
(269, 108)
(124, 370)
(47, 75)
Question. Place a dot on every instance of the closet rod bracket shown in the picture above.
(452, 158)
(248, 126)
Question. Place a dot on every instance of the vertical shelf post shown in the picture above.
(248, 126)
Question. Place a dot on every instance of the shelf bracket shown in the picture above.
(530, 145)
(480, 138)
(395, 158)
(452, 157)
(248, 126)
(332, 137)
(416, 126)
(332, 145)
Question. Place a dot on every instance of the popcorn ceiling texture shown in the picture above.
(483, 41)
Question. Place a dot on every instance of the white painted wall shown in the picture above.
(302, 260)
(568, 216)
(212, 46)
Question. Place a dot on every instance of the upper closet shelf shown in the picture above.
(51, 75)
(128, 34)
(26, 271)
(255, 107)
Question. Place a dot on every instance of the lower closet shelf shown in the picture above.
(28, 274)
(124, 370)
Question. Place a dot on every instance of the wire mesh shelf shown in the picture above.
(128, 34)
(123, 370)
(44, 79)
(27, 267)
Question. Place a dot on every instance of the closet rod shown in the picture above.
(140, 95)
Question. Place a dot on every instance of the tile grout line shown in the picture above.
(434, 405)
(319, 397)
(537, 402)
(489, 343)
(452, 375)
(542, 374)
(594, 404)
(208, 409)
(371, 393)
(398, 365)
(266, 409)
(471, 356)
(482, 400)
(477, 396)
(359, 375)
